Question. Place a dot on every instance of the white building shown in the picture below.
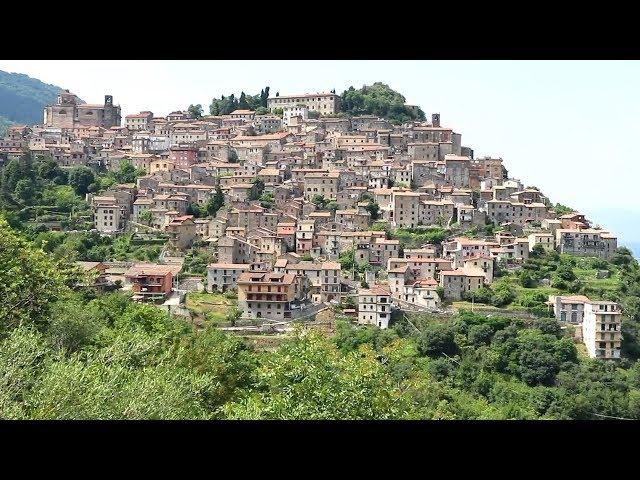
(294, 111)
(224, 276)
(374, 306)
(601, 329)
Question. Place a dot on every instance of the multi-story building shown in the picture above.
(499, 211)
(68, 112)
(456, 282)
(224, 276)
(457, 170)
(139, 121)
(321, 183)
(405, 209)
(325, 103)
(304, 235)
(267, 295)
(374, 306)
(323, 279)
(547, 240)
(568, 308)
(183, 156)
(288, 112)
(586, 242)
(107, 216)
(150, 281)
(602, 329)
(182, 231)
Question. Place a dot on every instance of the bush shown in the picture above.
(437, 339)
(526, 279)
(481, 295)
(565, 273)
(502, 295)
(480, 334)
(440, 368)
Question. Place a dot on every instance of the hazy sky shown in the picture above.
(567, 127)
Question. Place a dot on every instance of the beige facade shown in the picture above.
(106, 215)
(321, 183)
(499, 211)
(547, 240)
(267, 295)
(456, 282)
(139, 121)
(323, 279)
(325, 103)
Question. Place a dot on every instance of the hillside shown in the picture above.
(23, 98)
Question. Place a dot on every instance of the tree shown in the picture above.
(436, 340)
(526, 280)
(127, 173)
(24, 191)
(232, 156)
(480, 334)
(29, 281)
(81, 177)
(378, 99)
(264, 96)
(374, 210)
(195, 111)
(560, 209)
(242, 103)
(319, 201)
(309, 378)
(347, 259)
(256, 189)
(215, 202)
(145, 216)
(267, 200)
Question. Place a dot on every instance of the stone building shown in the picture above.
(267, 295)
(68, 112)
(587, 242)
(325, 103)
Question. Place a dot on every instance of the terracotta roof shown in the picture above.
(377, 290)
(152, 269)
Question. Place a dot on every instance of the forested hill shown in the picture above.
(23, 98)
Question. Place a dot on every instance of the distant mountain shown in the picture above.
(22, 99)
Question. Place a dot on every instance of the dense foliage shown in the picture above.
(226, 105)
(378, 99)
(69, 354)
(418, 236)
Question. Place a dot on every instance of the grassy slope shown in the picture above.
(213, 307)
(583, 271)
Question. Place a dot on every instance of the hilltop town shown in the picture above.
(294, 209)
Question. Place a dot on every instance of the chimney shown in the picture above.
(435, 120)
